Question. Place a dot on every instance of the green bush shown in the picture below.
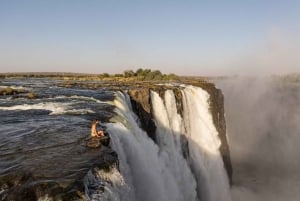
(129, 73)
(105, 75)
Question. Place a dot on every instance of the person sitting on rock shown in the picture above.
(94, 132)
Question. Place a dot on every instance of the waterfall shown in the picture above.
(144, 169)
(161, 171)
(204, 143)
(168, 132)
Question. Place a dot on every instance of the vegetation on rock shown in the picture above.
(128, 75)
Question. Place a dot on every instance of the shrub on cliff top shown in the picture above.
(148, 75)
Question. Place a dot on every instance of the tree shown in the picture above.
(171, 76)
(139, 72)
(105, 75)
(146, 72)
(129, 73)
(119, 75)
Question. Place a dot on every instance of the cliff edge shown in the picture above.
(141, 103)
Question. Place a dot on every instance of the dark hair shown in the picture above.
(95, 121)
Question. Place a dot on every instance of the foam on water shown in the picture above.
(85, 98)
(56, 108)
(103, 185)
(16, 87)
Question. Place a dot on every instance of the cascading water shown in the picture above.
(162, 171)
(145, 171)
(204, 143)
(168, 132)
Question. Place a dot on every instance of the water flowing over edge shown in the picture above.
(163, 170)
(184, 163)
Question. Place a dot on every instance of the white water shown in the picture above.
(55, 108)
(104, 185)
(159, 171)
(15, 87)
(84, 98)
(204, 144)
(169, 127)
(143, 167)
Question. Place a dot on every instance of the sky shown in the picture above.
(183, 37)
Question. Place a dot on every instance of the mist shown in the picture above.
(263, 126)
(276, 53)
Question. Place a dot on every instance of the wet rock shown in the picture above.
(105, 141)
(25, 186)
(141, 105)
(96, 142)
(11, 91)
(31, 95)
(108, 159)
(93, 142)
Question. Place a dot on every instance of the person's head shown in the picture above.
(96, 121)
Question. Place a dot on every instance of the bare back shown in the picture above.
(94, 132)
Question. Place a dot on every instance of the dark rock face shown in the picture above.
(218, 114)
(96, 142)
(141, 103)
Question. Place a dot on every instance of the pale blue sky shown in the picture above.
(185, 37)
